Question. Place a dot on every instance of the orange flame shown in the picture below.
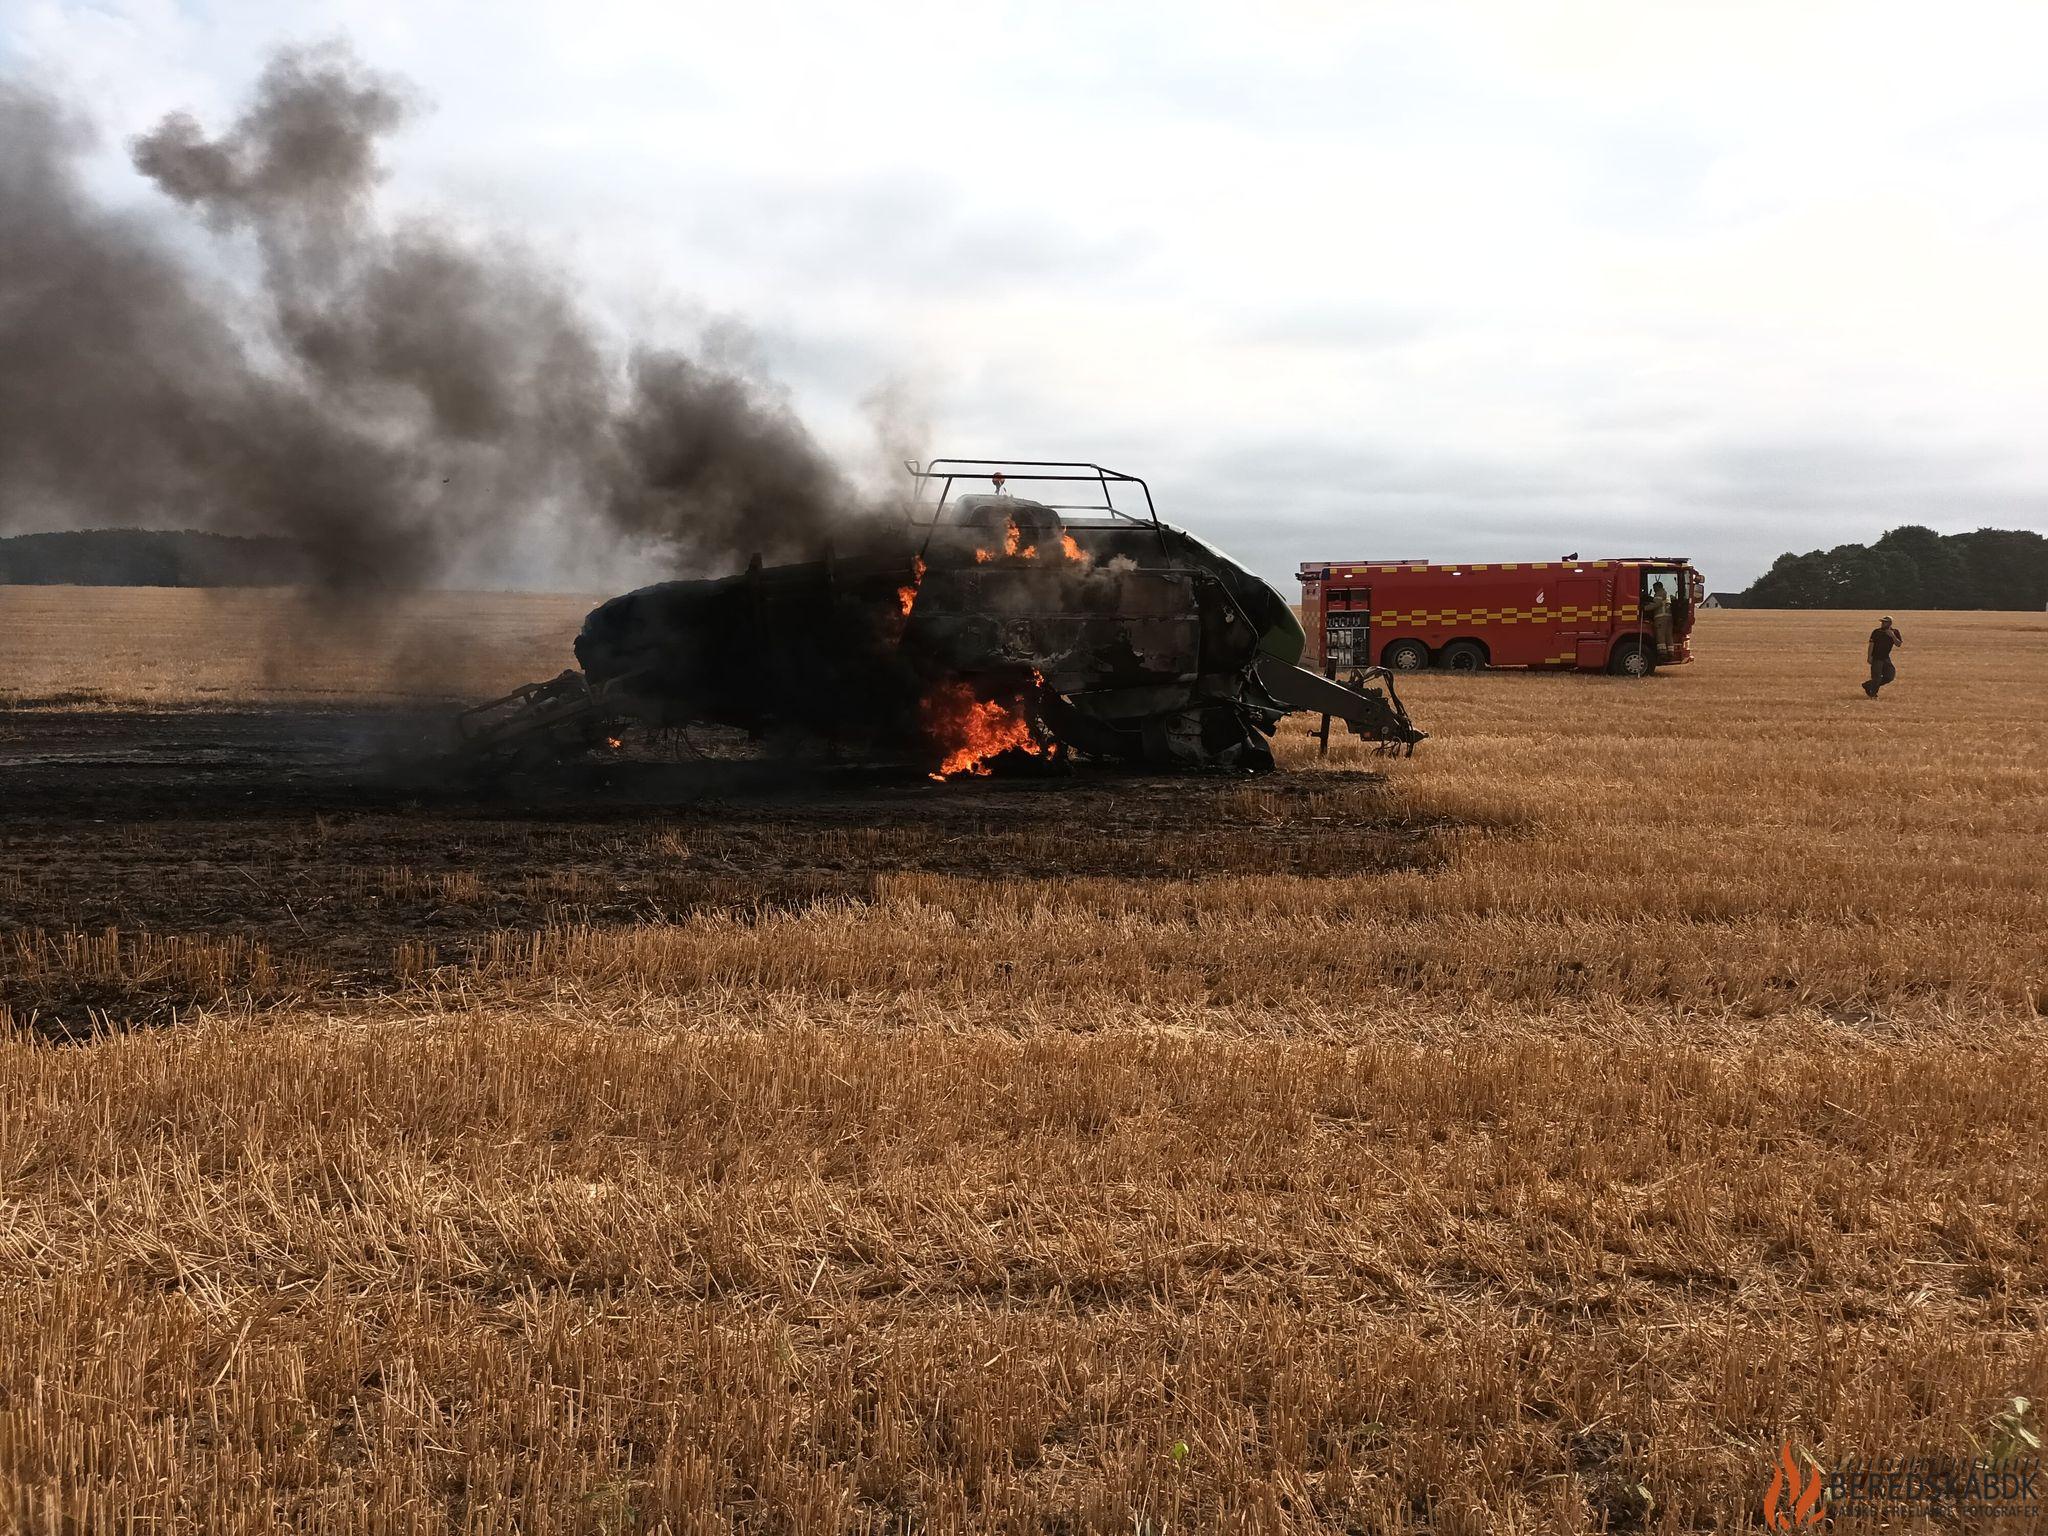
(973, 731)
(1788, 1507)
(1015, 547)
(613, 742)
(906, 597)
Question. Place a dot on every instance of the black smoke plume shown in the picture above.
(393, 396)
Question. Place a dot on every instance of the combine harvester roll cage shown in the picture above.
(1003, 473)
(1056, 626)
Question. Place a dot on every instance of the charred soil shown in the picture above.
(327, 848)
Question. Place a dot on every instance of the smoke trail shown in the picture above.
(390, 395)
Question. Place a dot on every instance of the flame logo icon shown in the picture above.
(1788, 1506)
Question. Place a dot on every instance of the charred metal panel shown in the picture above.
(1080, 629)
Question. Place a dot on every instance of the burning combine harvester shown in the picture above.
(1001, 626)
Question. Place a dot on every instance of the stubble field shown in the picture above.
(1644, 1077)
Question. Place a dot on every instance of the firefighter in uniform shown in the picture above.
(1660, 618)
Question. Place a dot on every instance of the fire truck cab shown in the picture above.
(1582, 615)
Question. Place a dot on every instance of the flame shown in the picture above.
(1015, 547)
(613, 742)
(973, 731)
(1802, 1510)
(906, 597)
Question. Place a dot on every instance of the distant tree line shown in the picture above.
(1912, 567)
(138, 557)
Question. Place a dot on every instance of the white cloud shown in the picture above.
(1343, 279)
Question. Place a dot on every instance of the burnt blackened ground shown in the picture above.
(331, 841)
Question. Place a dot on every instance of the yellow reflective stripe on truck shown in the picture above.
(1440, 618)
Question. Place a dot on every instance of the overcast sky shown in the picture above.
(1341, 280)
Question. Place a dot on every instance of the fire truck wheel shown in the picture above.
(1406, 656)
(1632, 658)
(1463, 656)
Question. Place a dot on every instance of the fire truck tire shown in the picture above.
(1632, 658)
(1405, 656)
(1463, 656)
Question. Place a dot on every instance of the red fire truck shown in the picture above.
(1589, 615)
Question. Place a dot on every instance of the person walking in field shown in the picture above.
(1883, 641)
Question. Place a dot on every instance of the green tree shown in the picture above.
(1941, 579)
(1912, 567)
(1793, 581)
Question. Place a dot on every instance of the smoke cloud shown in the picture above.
(394, 396)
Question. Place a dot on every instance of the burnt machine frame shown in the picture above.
(1027, 472)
